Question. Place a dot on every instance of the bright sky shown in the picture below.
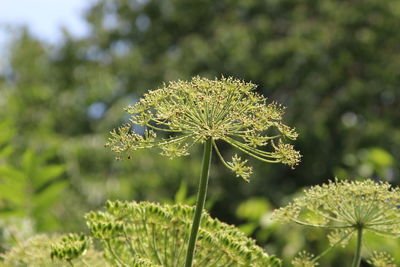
(43, 17)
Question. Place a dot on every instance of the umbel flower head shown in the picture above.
(346, 207)
(381, 259)
(157, 234)
(54, 251)
(304, 259)
(191, 112)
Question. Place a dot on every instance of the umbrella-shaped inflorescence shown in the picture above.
(157, 234)
(347, 208)
(195, 111)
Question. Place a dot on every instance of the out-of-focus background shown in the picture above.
(68, 68)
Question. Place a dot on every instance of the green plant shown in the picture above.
(36, 252)
(29, 187)
(381, 259)
(347, 209)
(70, 247)
(304, 259)
(142, 235)
(130, 231)
(206, 111)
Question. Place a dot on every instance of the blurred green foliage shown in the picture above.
(333, 63)
(31, 189)
(36, 251)
(30, 185)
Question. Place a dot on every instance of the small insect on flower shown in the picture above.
(195, 111)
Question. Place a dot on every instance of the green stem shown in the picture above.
(201, 197)
(331, 247)
(116, 258)
(357, 256)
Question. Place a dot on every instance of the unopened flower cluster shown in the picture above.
(71, 247)
(191, 112)
(55, 251)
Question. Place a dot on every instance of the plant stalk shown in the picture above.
(357, 256)
(201, 197)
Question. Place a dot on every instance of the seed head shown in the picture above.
(71, 247)
(191, 112)
(157, 234)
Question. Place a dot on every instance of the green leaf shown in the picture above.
(48, 173)
(7, 132)
(248, 228)
(9, 172)
(12, 191)
(6, 152)
(29, 162)
(253, 208)
(49, 196)
(12, 185)
(380, 157)
(181, 194)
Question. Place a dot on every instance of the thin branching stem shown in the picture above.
(115, 256)
(332, 246)
(321, 225)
